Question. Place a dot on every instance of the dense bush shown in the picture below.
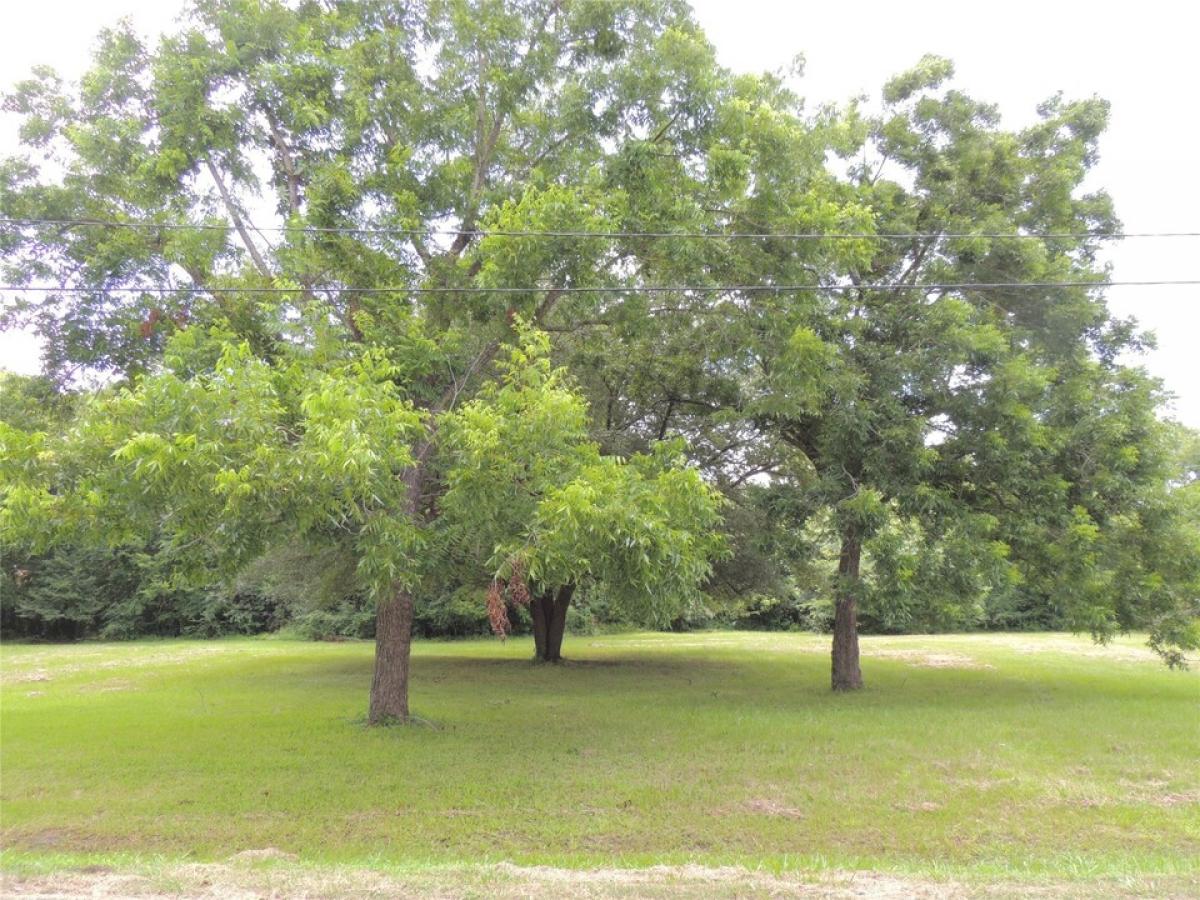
(793, 612)
(71, 593)
(458, 612)
(344, 621)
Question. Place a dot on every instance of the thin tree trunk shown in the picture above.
(847, 675)
(393, 632)
(557, 626)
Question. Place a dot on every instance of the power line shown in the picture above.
(611, 235)
(646, 289)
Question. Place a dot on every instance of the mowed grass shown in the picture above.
(1006, 755)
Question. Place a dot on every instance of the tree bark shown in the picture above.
(549, 610)
(557, 626)
(538, 611)
(393, 630)
(393, 642)
(847, 675)
(243, 232)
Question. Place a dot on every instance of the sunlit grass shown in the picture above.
(1011, 755)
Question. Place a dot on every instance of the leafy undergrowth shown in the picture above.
(1040, 758)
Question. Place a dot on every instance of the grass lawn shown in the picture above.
(1018, 757)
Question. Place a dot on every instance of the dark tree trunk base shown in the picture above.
(550, 623)
(537, 608)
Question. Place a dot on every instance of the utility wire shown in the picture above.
(613, 235)
(646, 289)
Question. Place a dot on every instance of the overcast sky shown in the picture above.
(1141, 56)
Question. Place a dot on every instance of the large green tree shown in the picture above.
(382, 138)
(965, 442)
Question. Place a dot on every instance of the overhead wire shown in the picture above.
(610, 235)
(609, 289)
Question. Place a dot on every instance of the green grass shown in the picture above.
(1009, 756)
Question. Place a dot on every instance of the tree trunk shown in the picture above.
(538, 611)
(557, 626)
(393, 632)
(393, 641)
(847, 676)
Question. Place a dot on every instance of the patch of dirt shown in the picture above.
(49, 839)
(96, 870)
(65, 840)
(919, 806)
(769, 807)
(1187, 798)
(1083, 647)
(79, 883)
(264, 853)
(928, 660)
(985, 784)
(84, 661)
(25, 677)
(1151, 792)
(106, 687)
(1156, 793)
(508, 882)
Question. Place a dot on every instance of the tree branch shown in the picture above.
(289, 165)
(750, 473)
(232, 209)
(666, 419)
(422, 250)
(485, 147)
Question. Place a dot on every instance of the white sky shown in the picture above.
(1142, 57)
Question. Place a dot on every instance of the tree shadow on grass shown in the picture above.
(775, 683)
(781, 685)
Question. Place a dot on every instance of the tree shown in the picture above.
(378, 125)
(1112, 544)
(530, 493)
(946, 433)
(75, 590)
